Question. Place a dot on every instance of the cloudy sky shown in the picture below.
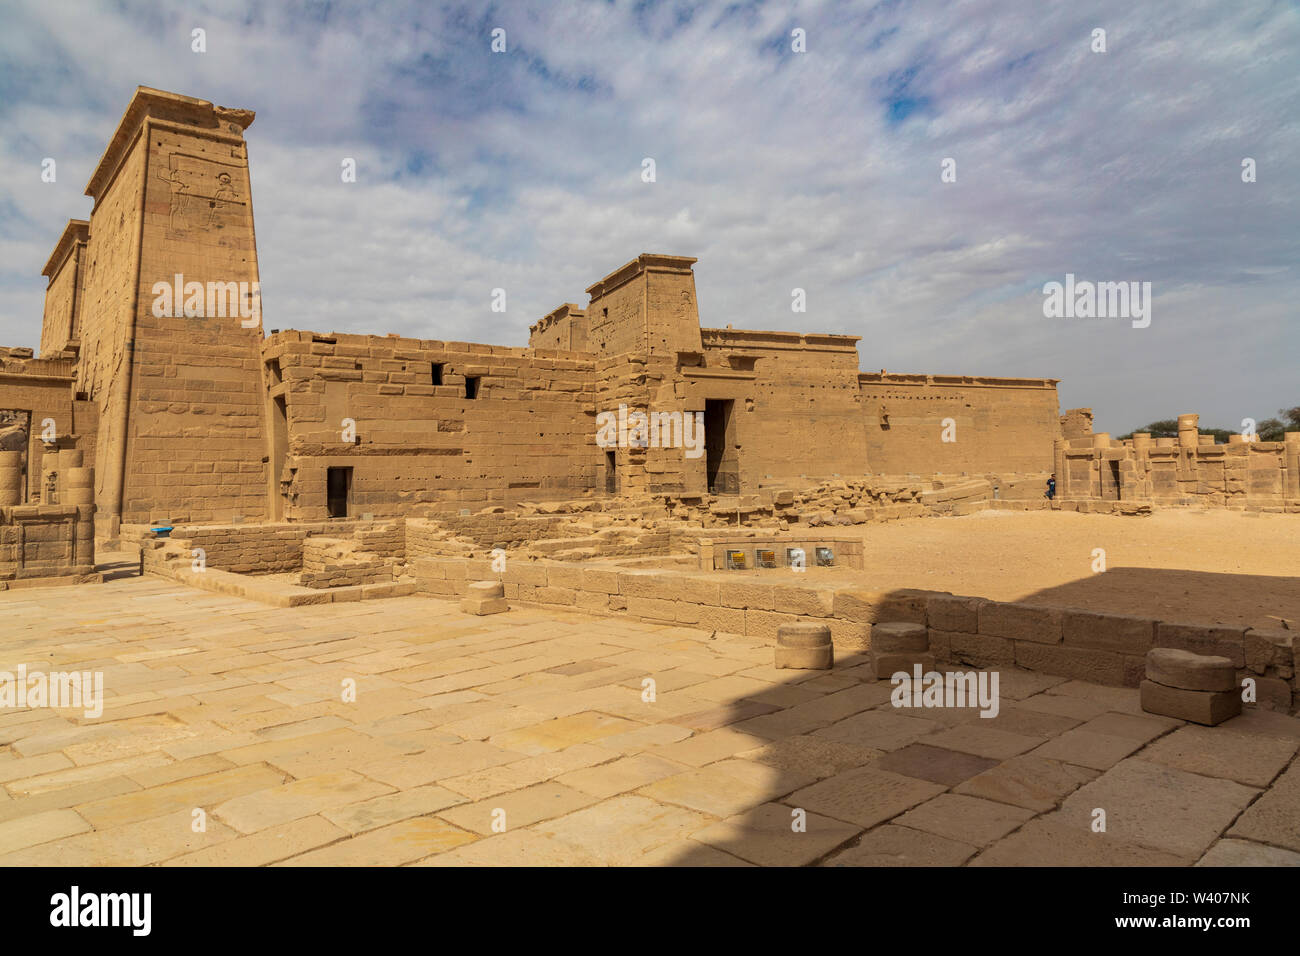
(818, 170)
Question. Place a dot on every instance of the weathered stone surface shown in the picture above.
(1030, 781)
(953, 613)
(1272, 818)
(805, 658)
(1269, 648)
(1199, 706)
(1107, 632)
(1058, 840)
(871, 607)
(1226, 642)
(980, 650)
(1245, 853)
(1252, 759)
(979, 738)
(765, 836)
(965, 818)
(1159, 807)
(897, 637)
(1080, 663)
(1088, 749)
(1186, 670)
(1021, 622)
(864, 796)
(481, 606)
(1273, 693)
(892, 845)
(936, 764)
(803, 634)
(881, 730)
(485, 589)
(886, 666)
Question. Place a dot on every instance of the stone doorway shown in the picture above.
(722, 461)
(338, 491)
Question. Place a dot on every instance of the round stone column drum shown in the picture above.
(804, 646)
(78, 487)
(11, 478)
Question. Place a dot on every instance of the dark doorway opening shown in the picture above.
(722, 464)
(471, 386)
(611, 474)
(435, 375)
(338, 491)
(1110, 480)
(279, 450)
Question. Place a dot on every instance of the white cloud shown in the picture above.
(777, 170)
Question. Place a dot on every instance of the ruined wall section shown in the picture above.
(527, 434)
(797, 411)
(564, 329)
(659, 461)
(1002, 425)
(42, 389)
(1188, 470)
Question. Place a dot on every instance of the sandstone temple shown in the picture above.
(134, 417)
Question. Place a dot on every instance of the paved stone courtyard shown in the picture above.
(228, 707)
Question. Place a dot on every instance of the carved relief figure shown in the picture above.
(178, 186)
(225, 195)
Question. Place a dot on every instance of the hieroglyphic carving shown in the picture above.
(202, 191)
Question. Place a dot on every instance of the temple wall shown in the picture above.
(1006, 426)
(528, 434)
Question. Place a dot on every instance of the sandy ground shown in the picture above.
(1203, 566)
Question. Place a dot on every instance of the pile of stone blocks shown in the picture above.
(1201, 688)
(804, 645)
(335, 562)
(899, 646)
(484, 597)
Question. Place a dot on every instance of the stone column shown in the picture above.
(11, 478)
(1187, 430)
(1141, 441)
(77, 486)
(1291, 460)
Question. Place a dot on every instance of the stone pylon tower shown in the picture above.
(177, 378)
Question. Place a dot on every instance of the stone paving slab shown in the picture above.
(1246, 853)
(1035, 783)
(1158, 807)
(231, 711)
(966, 819)
(1275, 817)
(1252, 759)
(892, 845)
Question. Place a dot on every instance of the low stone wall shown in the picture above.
(1085, 645)
(47, 541)
(334, 562)
(278, 548)
(499, 529)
